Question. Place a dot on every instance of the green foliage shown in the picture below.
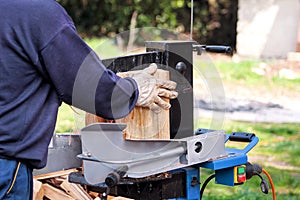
(65, 119)
(110, 17)
(104, 47)
(95, 17)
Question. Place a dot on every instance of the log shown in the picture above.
(93, 194)
(91, 118)
(117, 198)
(76, 191)
(53, 193)
(54, 174)
(38, 190)
(142, 123)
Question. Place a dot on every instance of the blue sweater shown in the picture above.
(44, 62)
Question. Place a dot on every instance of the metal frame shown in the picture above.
(104, 151)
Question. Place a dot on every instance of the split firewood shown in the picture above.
(93, 194)
(76, 191)
(53, 193)
(54, 174)
(38, 190)
(117, 198)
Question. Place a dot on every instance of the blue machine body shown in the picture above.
(223, 167)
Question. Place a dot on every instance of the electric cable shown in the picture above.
(205, 184)
(263, 185)
(271, 183)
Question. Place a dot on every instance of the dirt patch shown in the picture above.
(269, 161)
(258, 103)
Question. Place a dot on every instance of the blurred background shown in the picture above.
(260, 80)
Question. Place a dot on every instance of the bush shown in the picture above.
(214, 21)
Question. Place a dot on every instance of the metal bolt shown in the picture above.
(88, 154)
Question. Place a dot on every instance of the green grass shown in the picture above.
(278, 142)
(104, 47)
(287, 186)
(241, 74)
(65, 119)
(69, 119)
(286, 83)
(241, 71)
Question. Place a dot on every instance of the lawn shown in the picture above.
(278, 150)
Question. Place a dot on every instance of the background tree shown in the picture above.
(214, 20)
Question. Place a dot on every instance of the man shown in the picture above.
(44, 62)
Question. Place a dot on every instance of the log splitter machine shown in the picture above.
(163, 169)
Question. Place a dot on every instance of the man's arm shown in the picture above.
(81, 79)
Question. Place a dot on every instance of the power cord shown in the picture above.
(263, 184)
(205, 184)
(271, 183)
(251, 170)
(255, 169)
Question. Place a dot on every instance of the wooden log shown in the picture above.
(142, 123)
(76, 191)
(54, 174)
(53, 193)
(90, 119)
(93, 194)
(38, 190)
(117, 198)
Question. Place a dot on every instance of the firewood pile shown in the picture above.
(55, 186)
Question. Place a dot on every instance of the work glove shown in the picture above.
(151, 89)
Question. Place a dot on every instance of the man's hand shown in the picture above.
(151, 89)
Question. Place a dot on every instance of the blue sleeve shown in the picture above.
(81, 79)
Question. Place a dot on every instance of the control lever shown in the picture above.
(212, 48)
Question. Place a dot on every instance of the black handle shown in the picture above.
(218, 49)
(241, 136)
(212, 48)
(114, 177)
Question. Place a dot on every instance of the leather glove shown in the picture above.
(152, 89)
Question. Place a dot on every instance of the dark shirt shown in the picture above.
(44, 62)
